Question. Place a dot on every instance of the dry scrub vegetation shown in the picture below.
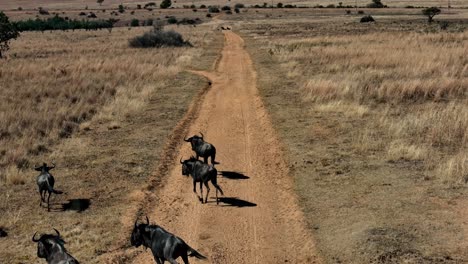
(375, 123)
(419, 82)
(102, 111)
(49, 86)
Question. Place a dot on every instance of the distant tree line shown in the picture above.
(60, 23)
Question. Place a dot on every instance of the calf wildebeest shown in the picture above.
(202, 173)
(163, 245)
(202, 148)
(51, 247)
(45, 182)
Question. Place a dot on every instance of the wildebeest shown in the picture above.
(163, 245)
(202, 148)
(45, 182)
(51, 247)
(202, 173)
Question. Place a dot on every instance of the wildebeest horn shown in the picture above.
(186, 140)
(181, 162)
(56, 231)
(147, 220)
(34, 238)
(136, 222)
(201, 134)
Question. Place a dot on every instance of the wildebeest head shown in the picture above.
(195, 140)
(187, 165)
(138, 232)
(44, 168)
(46, 242)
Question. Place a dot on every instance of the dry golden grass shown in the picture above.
(398, 70)
(53, 82)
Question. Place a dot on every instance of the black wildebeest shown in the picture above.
(51, 247)
(202, 173)
(45, 182)
(202, 148)
(163, 245)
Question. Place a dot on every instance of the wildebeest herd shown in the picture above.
(164, 245)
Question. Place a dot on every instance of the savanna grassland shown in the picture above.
(100, 110)
(374, 119)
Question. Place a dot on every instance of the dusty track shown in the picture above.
(262, 223)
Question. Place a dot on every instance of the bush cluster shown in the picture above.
(158, 38)
(60, 23)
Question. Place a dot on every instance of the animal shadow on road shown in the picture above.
(78, 205)
(236, 202)
(234, 175)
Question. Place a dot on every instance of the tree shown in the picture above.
(121, 8)
(431, 12)
(7, 32)
(376, 4)
(165, 4)
(100, 2)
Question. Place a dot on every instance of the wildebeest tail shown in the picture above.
(193, 253)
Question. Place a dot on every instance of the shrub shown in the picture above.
(444, 25)
(331, 6)
(172, 20)
(8, 31)
(42, 11)
(165, 4)
(409, 6)
(157, 39)
(203, 6)
(135, 22)
(138, 6)
(239, 6)
(208, 15)
(149, 4)
(82, 14)
(292, 6)
(193, 6)
(213, 9)
(348, 12)
(20, 8)
(237, 10)
(228, 12)
(149, 22)
(121, 8)
(360, 12)
(366, 19)
(376, 4)
(279, 5)
(226, 8)
(92, 15)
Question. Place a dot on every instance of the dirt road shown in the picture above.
(259, 220)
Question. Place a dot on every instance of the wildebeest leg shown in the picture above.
(201, 191)
(158, 260)
(185, 258)
(172, 261)
(205, 159)
(207, 191)
(213, 157)
(195, 189)
(42, 199)
(48, 202)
